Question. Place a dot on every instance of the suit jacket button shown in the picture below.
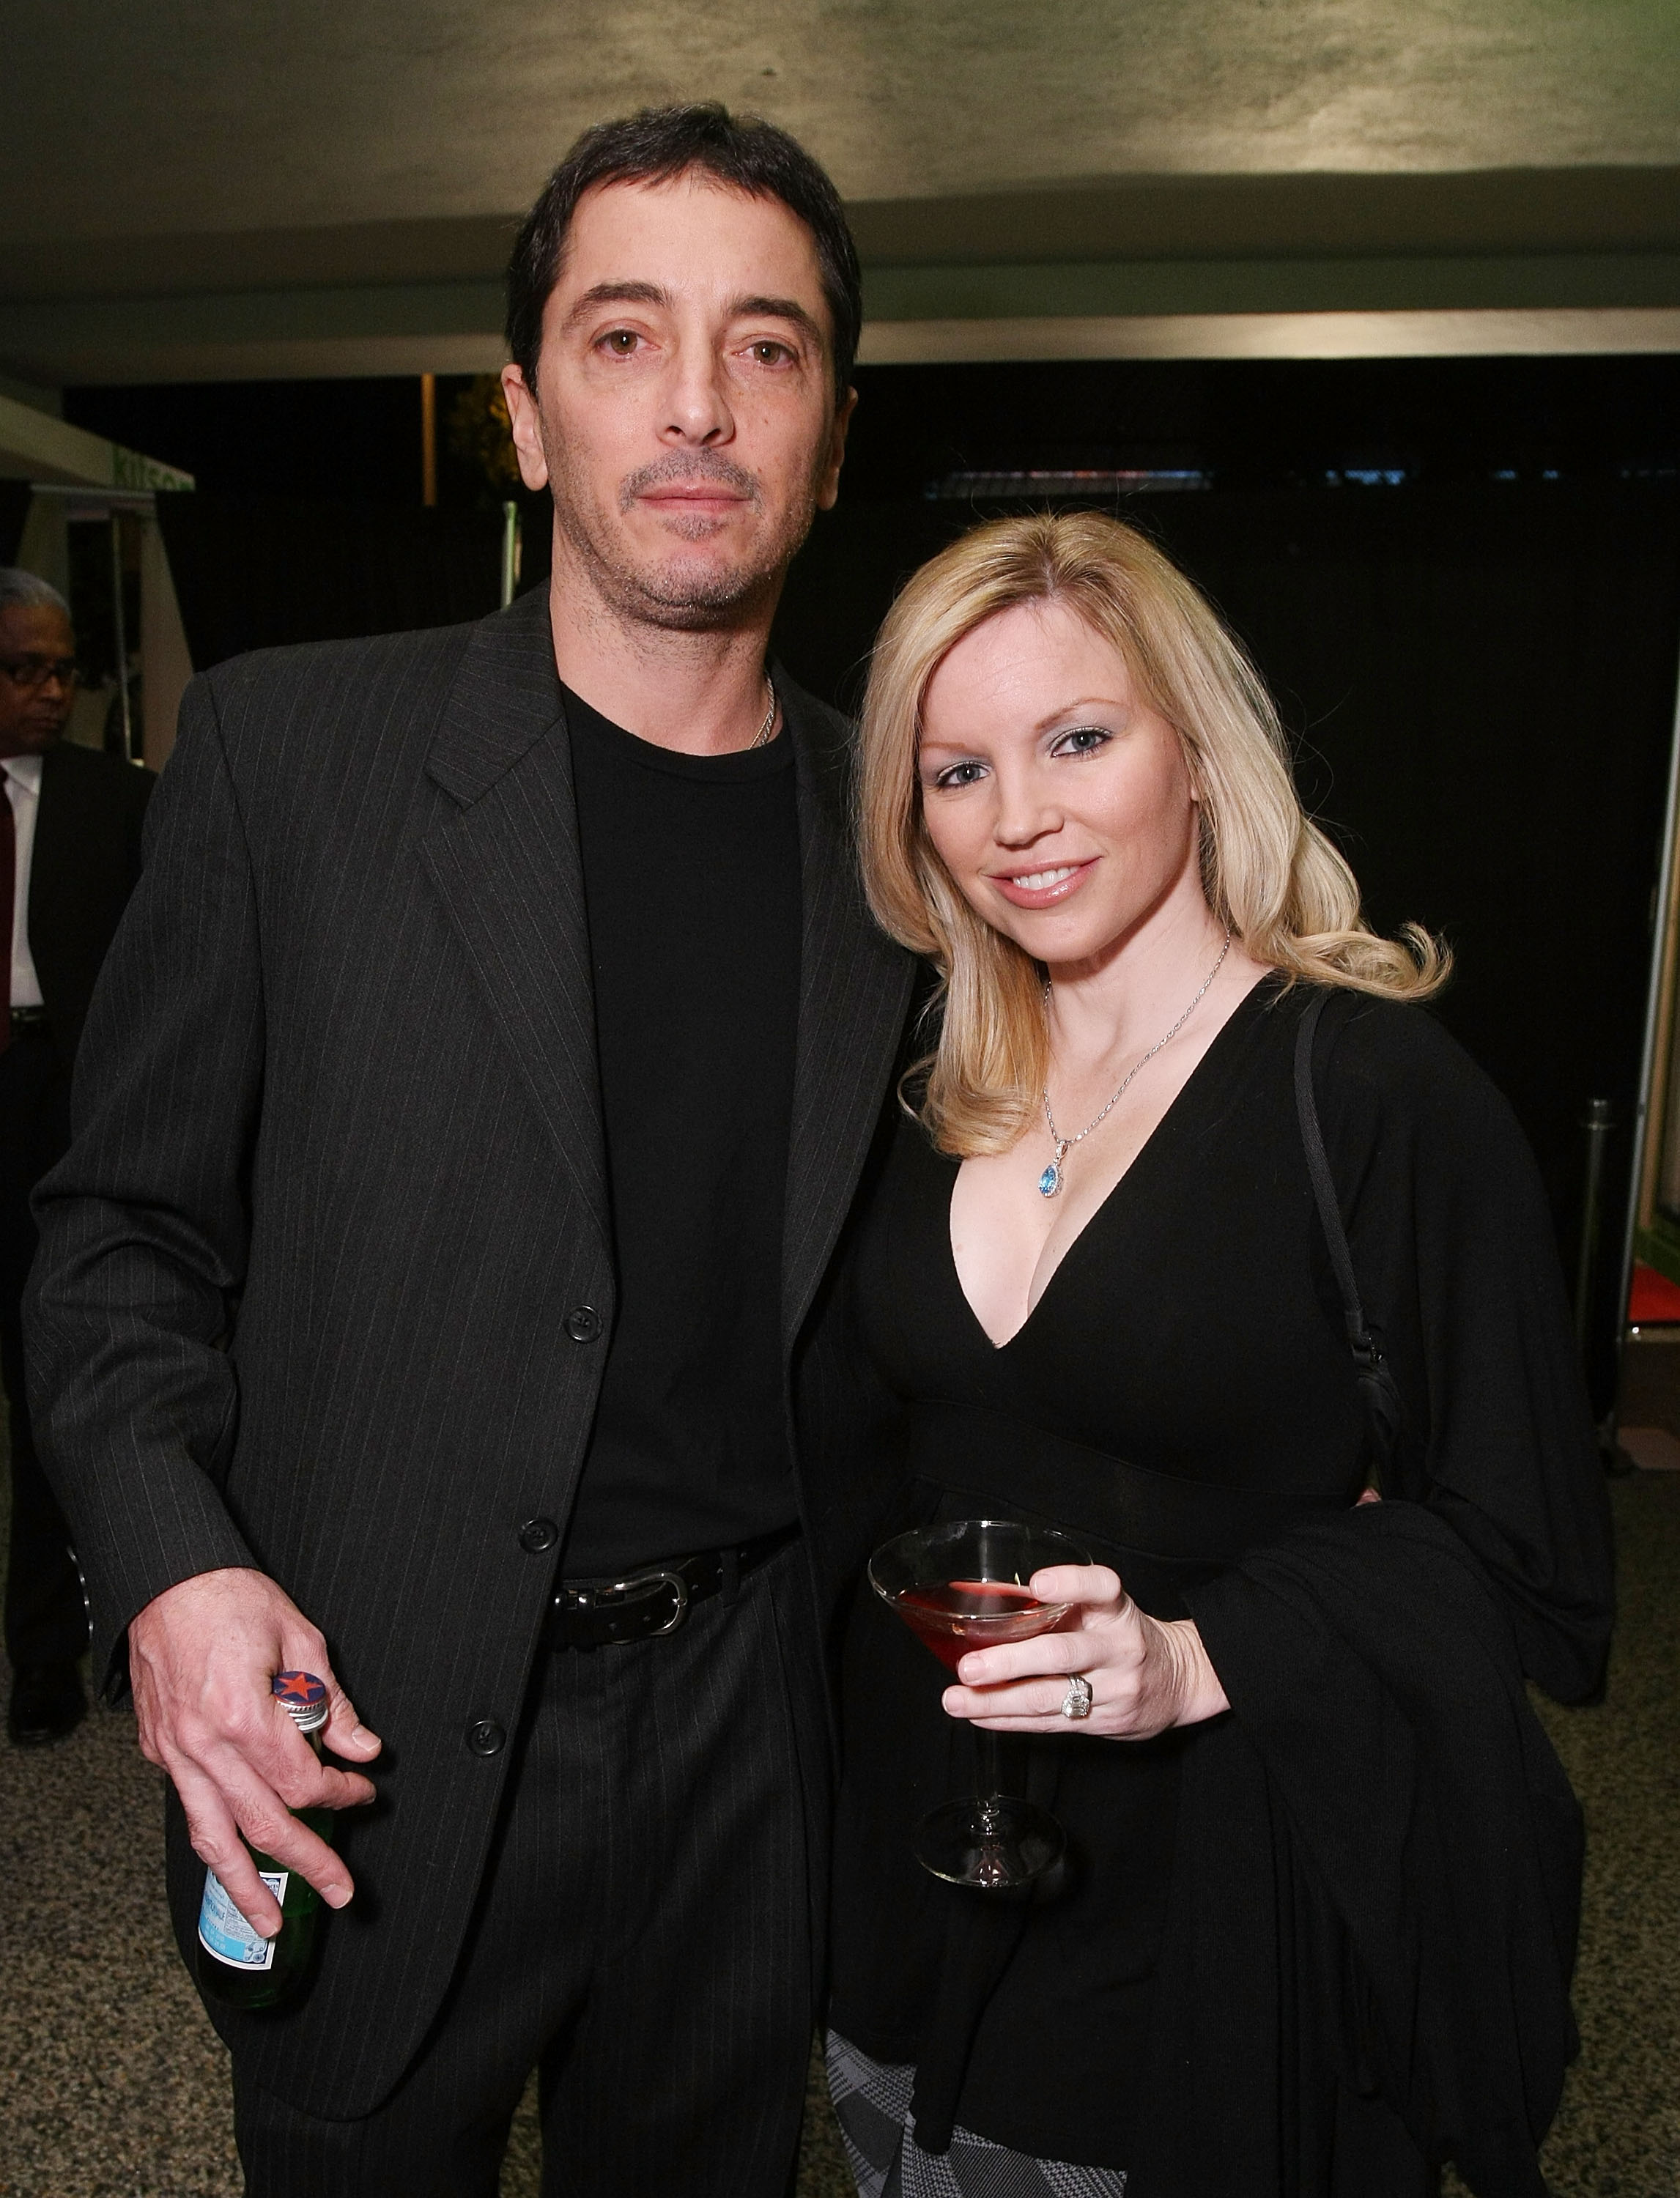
(538, 1535)
(583, 1323)
(486, 1737)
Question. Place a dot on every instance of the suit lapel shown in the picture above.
(854, 992)
(509, 869)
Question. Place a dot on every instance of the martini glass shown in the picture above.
(959, 1586)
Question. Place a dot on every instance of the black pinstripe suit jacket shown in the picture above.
(338, 1180)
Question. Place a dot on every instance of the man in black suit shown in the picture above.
(439, 1295)
(69, 856)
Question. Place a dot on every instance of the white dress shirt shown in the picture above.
(21, 778)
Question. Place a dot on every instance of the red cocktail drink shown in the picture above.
(963, 1584)
(959, 1615)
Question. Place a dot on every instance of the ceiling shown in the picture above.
(317, 186)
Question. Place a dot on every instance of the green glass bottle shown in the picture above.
(236, 1966)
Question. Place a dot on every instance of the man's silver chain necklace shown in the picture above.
(768, 726)
(1051, 1180)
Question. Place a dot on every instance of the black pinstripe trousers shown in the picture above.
(46, 1619)
(644, 1938)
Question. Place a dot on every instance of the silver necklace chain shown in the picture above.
(765, 730)
(1051, 1180)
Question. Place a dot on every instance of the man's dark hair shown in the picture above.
(657, 145)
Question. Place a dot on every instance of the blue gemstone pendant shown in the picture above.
(1050, 1181)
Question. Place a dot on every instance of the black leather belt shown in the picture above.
(598, 1613)
(28, 1018)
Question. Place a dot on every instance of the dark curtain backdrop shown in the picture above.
(1481, 682)
(256, 572)
(14, 511)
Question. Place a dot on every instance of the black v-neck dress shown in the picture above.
(1182, 1394)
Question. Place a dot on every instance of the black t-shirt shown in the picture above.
(691, 879)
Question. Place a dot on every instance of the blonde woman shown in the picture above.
(1314, 1930)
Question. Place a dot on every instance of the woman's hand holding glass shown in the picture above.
(1146, 1675)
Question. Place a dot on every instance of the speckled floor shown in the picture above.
(112, 2084)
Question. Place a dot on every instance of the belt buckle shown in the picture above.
(649, 1584)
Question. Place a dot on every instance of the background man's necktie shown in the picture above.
(8, 857)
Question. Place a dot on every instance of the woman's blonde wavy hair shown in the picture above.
(1268, 871)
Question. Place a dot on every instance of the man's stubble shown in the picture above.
(677, 593)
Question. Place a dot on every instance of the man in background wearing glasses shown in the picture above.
(69, 856)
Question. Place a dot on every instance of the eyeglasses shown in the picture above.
(32, 673)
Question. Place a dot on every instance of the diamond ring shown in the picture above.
(1077, 1702)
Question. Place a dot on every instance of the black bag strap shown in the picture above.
(1376, 1382)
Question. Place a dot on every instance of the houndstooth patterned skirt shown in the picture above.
(872, 2104)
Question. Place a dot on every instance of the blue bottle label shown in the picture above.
(224, 1932)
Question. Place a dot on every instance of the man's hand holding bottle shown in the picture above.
(202, 1657)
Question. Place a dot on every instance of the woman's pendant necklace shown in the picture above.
(1055, 1175)
(1050, 1181)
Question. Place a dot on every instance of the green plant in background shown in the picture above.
(480, 436)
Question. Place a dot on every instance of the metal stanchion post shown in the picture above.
(121, 616)
(1597, 1122)
(510, 549)
(428, 439)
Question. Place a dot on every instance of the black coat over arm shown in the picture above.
(336, 1186)
(1381, 1863)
